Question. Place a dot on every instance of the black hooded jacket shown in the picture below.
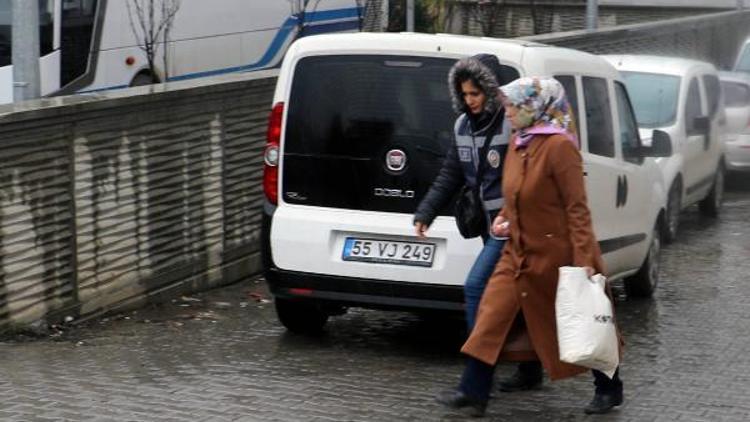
(470, 133)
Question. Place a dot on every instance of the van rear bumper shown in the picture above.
(353, 292)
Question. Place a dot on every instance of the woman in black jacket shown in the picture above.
(481, 136)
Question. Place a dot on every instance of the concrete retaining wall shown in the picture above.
(107, 200)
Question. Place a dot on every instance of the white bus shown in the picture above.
(89, 45)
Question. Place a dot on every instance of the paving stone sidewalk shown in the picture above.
(222, 356)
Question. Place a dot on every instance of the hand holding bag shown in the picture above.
(586, 331)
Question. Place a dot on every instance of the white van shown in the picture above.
(736, 89)
(344, 103)
(682, 98)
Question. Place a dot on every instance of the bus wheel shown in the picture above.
(141, 79)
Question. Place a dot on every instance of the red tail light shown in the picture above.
(271, 154)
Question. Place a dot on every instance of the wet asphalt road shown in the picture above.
(221, 355)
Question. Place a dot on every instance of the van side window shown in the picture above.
(598, 117)
(569, 83)
(713, 93)
(693, 107)
(629, 137)
(508, 74)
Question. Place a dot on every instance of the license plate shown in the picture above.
(419, 254)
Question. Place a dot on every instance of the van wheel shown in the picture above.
(674, 206)
(644, 282)
(711, 205)
(301, 317)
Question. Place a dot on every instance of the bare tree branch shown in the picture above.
(441, 13)
(151, 26)
(534, 17)
(299, 12)
(486, 13)
(363, 8)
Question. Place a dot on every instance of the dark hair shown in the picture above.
(464, 75)
(481, 75)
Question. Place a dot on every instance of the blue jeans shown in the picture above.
(480, 272)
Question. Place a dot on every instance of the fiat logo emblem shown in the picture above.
(395, 160)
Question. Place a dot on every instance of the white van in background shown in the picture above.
(682, 98)
(337, 209)
(736, 87)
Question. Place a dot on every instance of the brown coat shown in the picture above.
(550, 227)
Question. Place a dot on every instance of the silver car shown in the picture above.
(736, 87)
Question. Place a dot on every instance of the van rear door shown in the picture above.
(366, 132)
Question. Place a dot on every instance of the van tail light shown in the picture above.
(271, 154)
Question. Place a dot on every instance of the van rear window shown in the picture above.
(347, 114)
(353, 105)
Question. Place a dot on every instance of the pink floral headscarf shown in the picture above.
(543, 108)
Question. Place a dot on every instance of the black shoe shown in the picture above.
(457, 399)
(521, 381)
(603, 402)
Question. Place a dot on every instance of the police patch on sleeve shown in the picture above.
(493, 158)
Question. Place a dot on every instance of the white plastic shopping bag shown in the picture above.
(586, 330)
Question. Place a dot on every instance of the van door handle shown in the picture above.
(622, 191)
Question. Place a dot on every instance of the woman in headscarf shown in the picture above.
(549, 224)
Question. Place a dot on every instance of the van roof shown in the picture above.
(657, 64)
(534, 58)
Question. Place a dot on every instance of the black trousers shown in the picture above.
(476, 380)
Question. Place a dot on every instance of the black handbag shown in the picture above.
(469, 213)
(471, 218)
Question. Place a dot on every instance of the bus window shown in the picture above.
(5, 31)
(46, 29)
(78, 18)
(46, 26)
